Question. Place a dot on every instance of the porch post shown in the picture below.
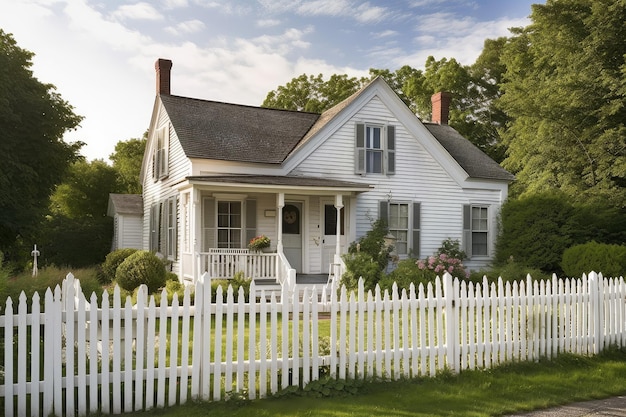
(280, 203)
(194, 226)
(338, 206)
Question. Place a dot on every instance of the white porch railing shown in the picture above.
(225, 263)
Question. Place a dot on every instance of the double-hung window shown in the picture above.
(229, 224)
(228, 221)
(476, 230)
(403, 222)
(375, 149)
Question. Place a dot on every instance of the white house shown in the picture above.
(216, 174)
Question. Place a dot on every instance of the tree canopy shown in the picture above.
(33, 155)
(127, 160)
(565, 94)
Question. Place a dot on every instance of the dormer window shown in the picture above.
(375, 149)
(160, 162)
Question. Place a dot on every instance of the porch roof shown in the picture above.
(283, 183)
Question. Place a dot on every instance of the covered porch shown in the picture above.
(309, 221)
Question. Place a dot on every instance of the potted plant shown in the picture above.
(259, 243)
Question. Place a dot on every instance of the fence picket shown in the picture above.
(35, 346)
(395, 334)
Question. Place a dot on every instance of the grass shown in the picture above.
(503, 390)
(13, 284)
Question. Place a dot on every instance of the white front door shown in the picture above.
(292, 234)
(329, 231)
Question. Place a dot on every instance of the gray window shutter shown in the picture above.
(417, 225)
(154, 227)
(383, 211)
(175, 236)
(208, 224)
(467, 230)
(250, 221)
(163, 227)
(359, 149)
(391, 150)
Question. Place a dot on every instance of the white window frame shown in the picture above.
(412, 229)
(229, 228)
(171, 228)
(476, 221)
(365, 149)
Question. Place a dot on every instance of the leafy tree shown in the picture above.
(33, 156)
(311, 93)
(564, 89)
(127, 160)
(77, 231)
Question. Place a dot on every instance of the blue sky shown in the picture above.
(100, 54)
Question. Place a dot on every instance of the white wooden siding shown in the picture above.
(129, 231)
(419, 177)
(156, 191)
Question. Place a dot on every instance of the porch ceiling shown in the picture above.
(279, 183)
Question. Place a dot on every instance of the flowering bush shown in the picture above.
(442, 263)
(259, 242)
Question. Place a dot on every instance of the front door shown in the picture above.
(292, 234)
(329, 232)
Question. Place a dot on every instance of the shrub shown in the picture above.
(405, 274)
(593, 256)
(142, 267)
(238, 281)
(367, 257)
(111, 262)
(536, 230)
(511, 271)
(448, 258)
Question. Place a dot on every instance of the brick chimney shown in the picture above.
(441, 107)
(163, 69)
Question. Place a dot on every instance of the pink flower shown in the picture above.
(450, 269)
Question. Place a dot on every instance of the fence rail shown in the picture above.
(79, 356)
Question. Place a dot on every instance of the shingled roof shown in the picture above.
(232, 132)
(474, 161)
(125, 204)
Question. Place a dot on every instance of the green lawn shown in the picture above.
(503, 390)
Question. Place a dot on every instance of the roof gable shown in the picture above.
(231, 132)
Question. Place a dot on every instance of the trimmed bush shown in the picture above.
(111, 262)
(593, 256)
(142, 267)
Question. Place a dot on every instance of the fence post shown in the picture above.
(452, 322)
(596, 307)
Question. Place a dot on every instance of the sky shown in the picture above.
(100, 54)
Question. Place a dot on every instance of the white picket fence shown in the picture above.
(77, 357)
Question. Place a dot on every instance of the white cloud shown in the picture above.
(267, 23)
(137, 11)
(186, 27)
(384, 34)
